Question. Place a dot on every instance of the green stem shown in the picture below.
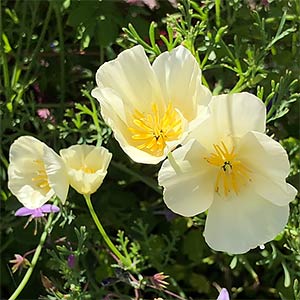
(94, 115)
(7, 88)
(173, 163)
(62, 55)
(240, 86)
(102, 231)
(35, 258)
(218, 12)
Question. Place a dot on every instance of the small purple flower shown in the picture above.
(224, 295)
(71, 261)
(37, 212)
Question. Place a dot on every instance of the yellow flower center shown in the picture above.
(41, 179)
(153, 130)
(88, 170)
(232, 172)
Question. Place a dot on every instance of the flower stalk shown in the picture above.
(107, 240)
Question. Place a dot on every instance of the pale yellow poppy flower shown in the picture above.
(86, 166)
(35, 173)
(150, 108)
(232, 168)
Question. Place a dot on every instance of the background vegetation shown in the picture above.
(50, 51)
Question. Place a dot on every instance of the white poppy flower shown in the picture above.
(35, 173)
(151, 108)
(230, 167)
(86, 166)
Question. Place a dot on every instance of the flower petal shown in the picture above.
(86, 166)
(130, 75)
(140, 114)
(240, 223)
(37, 213)
(23, 211)
(49, 208)
(224, 295)
(231, 116)
(114, 114)
(112, 108)
(187, 191)
(25, 154)
(93, 155)
(179, 76)
(57, 173)
(270, 166)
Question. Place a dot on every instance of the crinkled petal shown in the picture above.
(25, 147)
(85, 183)
(114, 107)
(269, 165)
(117, 120)
(29, 196)
(232, 115)
(57, 173)
(93, 158)
(240, 223)
(130, 86)
(188, 191)
(179, 76)
(130, 75)
(24, 154)
(86, 166)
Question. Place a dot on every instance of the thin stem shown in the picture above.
(101, 229)
(94, 115)
(35, 258)
(62, 54)
(218, 11)
(240, 86)
(7, 88)
(173, 163)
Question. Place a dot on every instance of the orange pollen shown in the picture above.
(41, 178)
(153, 130)
(232, 175)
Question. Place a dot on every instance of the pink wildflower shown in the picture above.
(19, 262)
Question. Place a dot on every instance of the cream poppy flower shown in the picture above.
(86, 166)
(35, 173)
(150, 108)
(230, 167)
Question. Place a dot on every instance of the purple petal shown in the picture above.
(48, 208)
(71, 261)
(37, 213)
(224, 295)
(23, 211)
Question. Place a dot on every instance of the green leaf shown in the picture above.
(12, 14)
(7, 47)
(193, 245)
(287, 277)
(106, 31)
